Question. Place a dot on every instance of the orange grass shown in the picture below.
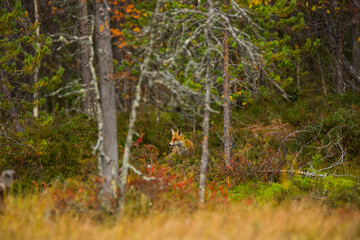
(34, 219)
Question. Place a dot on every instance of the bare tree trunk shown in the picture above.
(36, 73)
(340, 86)
(99, 148)
(206, 119)
(157, 97)
(356, 38)
(205, 142)
(126, 107)
(226, 93)
(298, 74)
(353, 72)
(129, 142)
(322, 75)
(110, 163)
(133, 114)
(89, 103)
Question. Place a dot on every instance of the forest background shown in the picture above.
(268, 91)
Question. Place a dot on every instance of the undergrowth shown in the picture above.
(55, 154)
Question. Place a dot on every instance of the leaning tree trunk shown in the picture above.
(89, 102)
(340, 87)
(109, 163)
(226, 93)
(37, 69)
(352, 71)
(134, 108)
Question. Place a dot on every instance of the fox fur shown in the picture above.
(181, 145)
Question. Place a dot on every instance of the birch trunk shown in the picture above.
(36, 73)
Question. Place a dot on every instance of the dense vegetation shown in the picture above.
(268, 92)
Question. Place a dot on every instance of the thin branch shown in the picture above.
(146, 178)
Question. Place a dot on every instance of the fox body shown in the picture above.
(181, 145)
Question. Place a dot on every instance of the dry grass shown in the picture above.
(32, 219)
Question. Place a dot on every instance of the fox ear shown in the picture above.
(179, 132)
(172, 131)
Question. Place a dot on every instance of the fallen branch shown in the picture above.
(146, 178)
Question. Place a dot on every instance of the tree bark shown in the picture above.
(322, 75)
(340, 86)
(298, 74)
(356, 38)
(355, 74)
(109, 161)
(205, 142)
(89, 102)
(226, 93)
(206, 118)
(36, 73)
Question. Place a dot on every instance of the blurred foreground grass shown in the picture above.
(36, 218)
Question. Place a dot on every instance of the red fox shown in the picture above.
(181, 145)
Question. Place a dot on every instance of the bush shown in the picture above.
(329, 190)
(252, 164)
(50, 150)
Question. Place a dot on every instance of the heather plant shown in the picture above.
(263, 165)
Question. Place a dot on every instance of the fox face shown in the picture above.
(177, 138)
(181, 144)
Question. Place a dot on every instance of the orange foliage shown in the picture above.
(122, 13)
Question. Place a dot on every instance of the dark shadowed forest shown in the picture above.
(161, 119)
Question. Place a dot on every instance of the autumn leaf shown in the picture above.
(122, 44)
(129, 8)
(358, 39)
(137, 29)
(101, 29)
(135, 15)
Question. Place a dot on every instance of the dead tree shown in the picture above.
(89, 102)
(109, 162)
(37, 69)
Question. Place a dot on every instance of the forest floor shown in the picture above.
(303, 219)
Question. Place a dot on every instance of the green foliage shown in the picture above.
(16, 39)
(50, 149)
(334, 191)
(330, 190)
(275, 38)
(258, 191)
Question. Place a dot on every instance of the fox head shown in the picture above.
(177, 138)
